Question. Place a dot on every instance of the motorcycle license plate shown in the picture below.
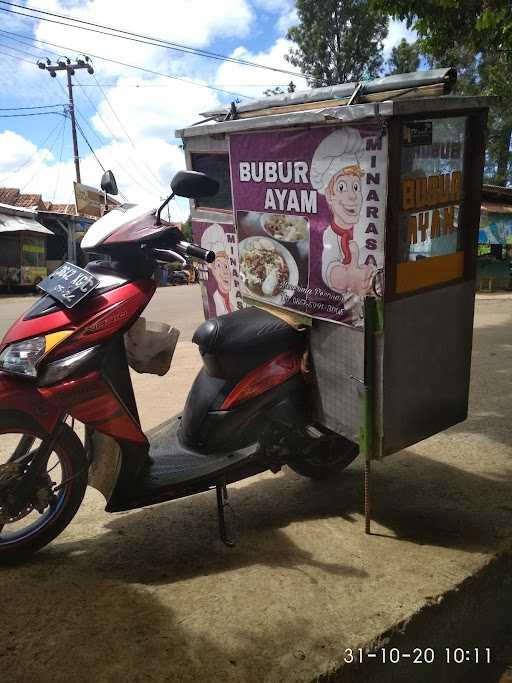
(69, 284)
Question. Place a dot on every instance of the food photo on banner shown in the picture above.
(220, 282)
(310, 212)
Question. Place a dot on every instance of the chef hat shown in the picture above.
(341, 149)
(214, 239)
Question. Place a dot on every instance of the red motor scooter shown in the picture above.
(248, 409)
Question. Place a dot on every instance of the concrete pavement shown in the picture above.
(153, 595)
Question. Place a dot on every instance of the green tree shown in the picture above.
(479, 32)
(337, 41)
(405, 57)
(186, 229)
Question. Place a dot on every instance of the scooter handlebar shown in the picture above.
(194, 251)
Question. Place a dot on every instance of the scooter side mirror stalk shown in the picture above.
(161, 207)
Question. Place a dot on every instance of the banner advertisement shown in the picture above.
(310, 214)
(496, 226)
(220, 281)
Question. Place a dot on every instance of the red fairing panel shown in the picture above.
(98, 318)
(23, 395)
(90, 400)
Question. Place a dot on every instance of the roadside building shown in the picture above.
(23, 243)
(62, 226)
(494, 264)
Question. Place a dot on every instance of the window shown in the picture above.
(215, 165)
(430, 188)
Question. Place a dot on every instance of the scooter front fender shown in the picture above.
(18, 393)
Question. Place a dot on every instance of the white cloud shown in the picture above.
(16, 151)
(259, 79)
(396, 31)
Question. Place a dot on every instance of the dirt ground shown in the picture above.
(152, 595)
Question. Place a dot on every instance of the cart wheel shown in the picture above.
(325, 456)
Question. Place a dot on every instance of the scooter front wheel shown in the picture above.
(29, 524)
(324, 456)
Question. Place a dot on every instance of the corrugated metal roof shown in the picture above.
(405, 81)
(10, 223)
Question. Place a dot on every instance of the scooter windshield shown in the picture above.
(125, 223)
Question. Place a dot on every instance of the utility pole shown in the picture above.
(70, 69)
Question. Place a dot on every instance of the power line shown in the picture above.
(132, 66)
(34, 113)
(15, 49)
(40, 106)
(18, 59)
(94, 154)
(114, 136)
(134, 37)
(126, 133)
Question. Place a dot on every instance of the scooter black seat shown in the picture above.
(233, 344)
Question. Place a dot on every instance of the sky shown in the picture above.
(129, 116)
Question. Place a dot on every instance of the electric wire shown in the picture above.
(15, 49)
(94, 107)
(134, 37)
(33, 113)
(137, 68)
(19, 59)
(123, 128)
(80, 129)
(39, 106)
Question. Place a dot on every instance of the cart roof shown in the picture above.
(417, 92)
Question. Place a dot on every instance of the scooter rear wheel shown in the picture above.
(324, 457)
(26, 528)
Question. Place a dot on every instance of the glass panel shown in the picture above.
(216, 166)
(430, 188)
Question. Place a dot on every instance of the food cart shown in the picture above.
(354, 209)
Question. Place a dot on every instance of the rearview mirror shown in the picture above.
(108, 183)
(193, 184)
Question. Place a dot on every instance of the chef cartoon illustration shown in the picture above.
(336, 173)
(214, 238)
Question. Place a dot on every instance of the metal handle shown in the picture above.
(377, 283)
(169, 256)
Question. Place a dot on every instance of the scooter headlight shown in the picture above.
(22, 357)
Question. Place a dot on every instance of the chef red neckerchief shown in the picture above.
(345, 235)
(227, 302)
